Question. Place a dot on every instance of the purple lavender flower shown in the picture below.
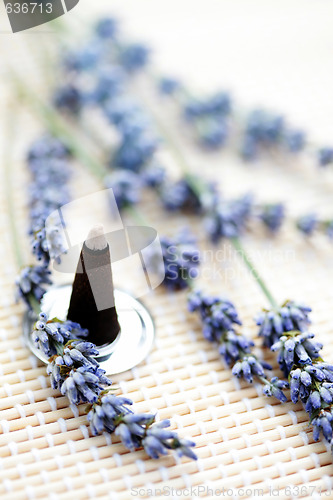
(275, 388)
(121, 110)
(319, 398)
(153, 175)
(83, 384)
(47, 147)
(307, 224)
(212, 132)
(104, 416)
(218, 104)
(158, 441)
(323, 422)
(29, 284)
(48, 334)
(49, 196)
(111, 414)
(84, 59)
(49, 170)
(193, 109)
(133, 154)
(265, 130)
(75, 372)
(134, 57)
(48, 244)
(296, 348)
(328, 225)
(110, 81)
(168, 86)
(247, 367)
(295, 140)
(181, 195)
(272, 216)
(262, 130)
(304, 378)
(107, 28)
(228, 218)
(181, 260)
(126, 187)
(249, 148)
(218, 317)
(325, 156)
(273, 323)
(69, 99)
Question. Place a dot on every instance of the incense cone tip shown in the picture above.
(96, 238)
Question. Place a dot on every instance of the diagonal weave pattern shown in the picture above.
(244, 440)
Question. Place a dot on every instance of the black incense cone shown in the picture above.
(92, 300)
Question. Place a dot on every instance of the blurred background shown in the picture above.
(276, 53)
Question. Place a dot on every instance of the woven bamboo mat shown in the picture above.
(244, 440)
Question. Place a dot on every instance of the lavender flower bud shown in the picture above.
(29, 283)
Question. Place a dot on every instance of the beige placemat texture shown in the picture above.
(244, 440)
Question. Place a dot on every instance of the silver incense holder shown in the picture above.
(132, 344)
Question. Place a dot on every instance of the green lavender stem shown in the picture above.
(238, 246)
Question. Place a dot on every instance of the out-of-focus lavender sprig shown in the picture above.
(181, 260)
(228, 219)
(111, 65)
(138, 141)
(265, 130)
(272, 215)
(74, 371)
(208, 118)
(310, 224)
(325, 156)
(50, 170)
(260, 130)
(219, 317)
(47, 160)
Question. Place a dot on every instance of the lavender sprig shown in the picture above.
(260, 130)
(111, 414)
(74, 371)
(219, 317)
(298, 353)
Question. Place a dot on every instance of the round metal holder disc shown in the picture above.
(128, 350)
